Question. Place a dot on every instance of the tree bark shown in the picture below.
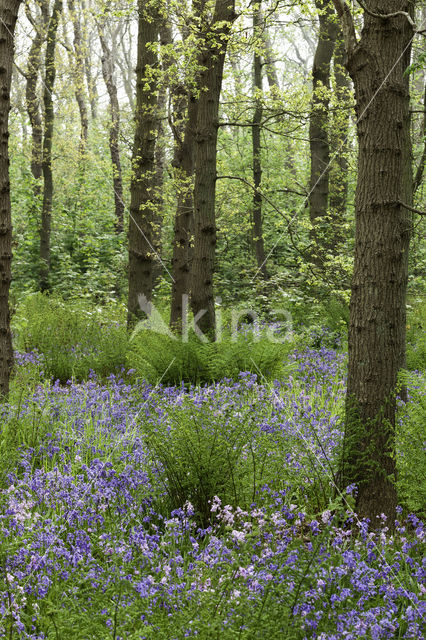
(183, 122)
(79, 78)
(318, 131)
(114, 130)
(378, 294)
(142, 189)
(339, 139)
(49, 82)
(257, 151)
(183, 165)
(270, 66)
(32, 98)
(8, 16)
(166, 39)
(88, 37)
(211, 61)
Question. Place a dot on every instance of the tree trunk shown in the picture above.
(79, 78)
(421, 87)
(256, 153)
(318, 131)
(274, 86)
(211, 60)
(377, 311)
(49, 82)
(183, 122)
(339, 139)
(20, 101)
(270, 66)
(183, 164)
(166, 39)
(88, 37)
(114, 131)
(33, 101)
(8, 16)
(142, 195)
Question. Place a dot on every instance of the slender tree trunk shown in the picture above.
(377, 64)
(88, 37)
(256, 153)
(91, 84)
(339, 139)
(33, 101)
(125, 64)
(142, 190)
(183, 164)
(274, 86)
(8, 16)
(49, 82)
(211, 60)
(79, 78)
(166, 39)
(270, 66)
(421, 131)
(318, 130)
(114, 131)
(20, 101)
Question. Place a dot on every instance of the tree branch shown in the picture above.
(344, 13)
(413, 209)
(275, 114)
(297, 193)
(21, 71)
(386, 16)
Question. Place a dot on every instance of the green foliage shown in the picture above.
(161, 358)
(88, 257)
(410, 444)
(196, 458)
(158, 357)
(416, 336)
(336, 315)
(19, 432)
(315, 322)
(73, 338)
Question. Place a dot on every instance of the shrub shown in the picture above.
(410, 432)
(159, 357)
(204, 448)
(73, 338)
(21, 431)
(416, 336)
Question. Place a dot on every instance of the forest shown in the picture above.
(212, 319)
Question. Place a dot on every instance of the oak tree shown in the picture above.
(377, 61)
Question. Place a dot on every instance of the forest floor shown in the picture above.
(137, 511)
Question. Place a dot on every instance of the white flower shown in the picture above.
(239, 535)
(326, 515)
(216, 504)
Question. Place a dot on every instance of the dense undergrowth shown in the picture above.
(135, 510)
(75, 339)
